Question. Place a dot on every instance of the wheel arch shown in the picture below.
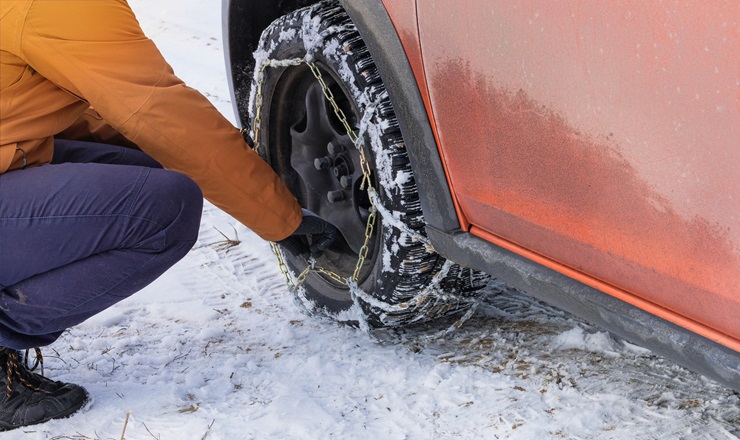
(243, 21)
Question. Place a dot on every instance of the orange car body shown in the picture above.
(599, 139)
(587, 153)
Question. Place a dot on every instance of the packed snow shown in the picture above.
(218, 349)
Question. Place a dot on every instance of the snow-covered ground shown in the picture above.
(217, 349)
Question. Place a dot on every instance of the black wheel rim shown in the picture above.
(318, 162)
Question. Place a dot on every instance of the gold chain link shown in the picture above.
(258, 116)
(364, 165)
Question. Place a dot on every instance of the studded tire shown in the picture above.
(402, 281)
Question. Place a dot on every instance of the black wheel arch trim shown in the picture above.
(240, 36)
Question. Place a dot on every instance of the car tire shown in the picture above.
(403, 280)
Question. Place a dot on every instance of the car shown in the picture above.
(586, 153)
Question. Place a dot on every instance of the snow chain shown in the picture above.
(375, 208)
(364, 165)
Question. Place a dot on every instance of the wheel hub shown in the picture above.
(329, 165)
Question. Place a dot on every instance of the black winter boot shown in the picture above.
(27, 398)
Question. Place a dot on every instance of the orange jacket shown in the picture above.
(59, 60)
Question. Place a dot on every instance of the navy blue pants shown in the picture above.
(78, 235)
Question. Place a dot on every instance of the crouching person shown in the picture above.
(105, 156)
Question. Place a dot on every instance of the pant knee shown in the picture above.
(175, 202)
(188, 194)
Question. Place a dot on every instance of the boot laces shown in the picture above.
(38, 361)
(15, 370)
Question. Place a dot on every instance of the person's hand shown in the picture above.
(247, 138)
(321, 232)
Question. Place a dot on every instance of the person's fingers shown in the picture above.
(326, 239)
(296, 246)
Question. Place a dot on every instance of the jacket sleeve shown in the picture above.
(97, 51)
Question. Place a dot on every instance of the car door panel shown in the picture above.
(603, 137)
